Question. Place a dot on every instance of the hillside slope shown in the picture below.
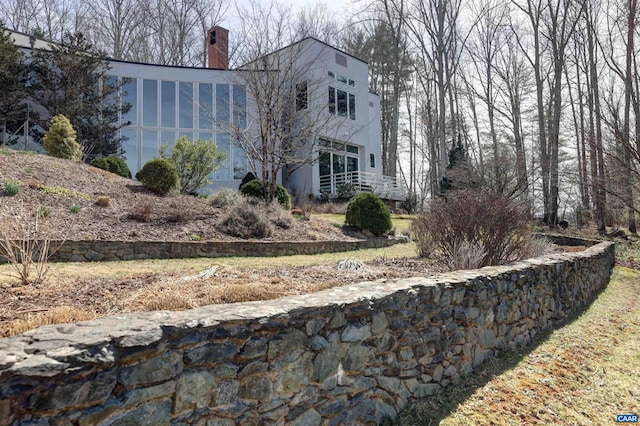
(59, 184)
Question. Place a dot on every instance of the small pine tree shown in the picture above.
(60, 140)
(194, 161)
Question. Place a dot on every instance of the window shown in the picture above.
(205, 110)
(341, 60)
(222, 104)
(168, 104)
(372, 161)
(341, 79)
(352, 83)
(130, 149)
(167, 139)
(342, 103)
(301, 96)
(149, 103)
(332, 75)
(332, 100)
(130, 96)
(352, 106)
(222, 140)
(240, 168)
(206, 136)
(149, 145)
(338, 163)
(110, 90)
(240, 106)
(185, 101)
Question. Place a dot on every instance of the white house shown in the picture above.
(168, 102)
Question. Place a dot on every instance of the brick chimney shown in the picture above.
(218, 50)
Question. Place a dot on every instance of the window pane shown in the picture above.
(110, 91)
(332, 74)
(186, 105)
(341, 78)
(352, 149)
(149, 103)
(222, 140)
(130, 96)
(332, 100)
(301, 96)
(338, 168)
(130, 149)
(342, 103)
(168, 105)
(187, 134)
(325, 170)
(149, 145)
(205, 136)
(352, 164)
(206, 106)
(222, 105)
(372, 161)
(168, 139)
(239, 162)
(352, 106)
(352, 83)
(240, 106)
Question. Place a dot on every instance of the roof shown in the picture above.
(302, 41)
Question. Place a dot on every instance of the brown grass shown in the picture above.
(583, 374)
(57, 315)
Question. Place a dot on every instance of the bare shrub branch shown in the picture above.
(26, 244)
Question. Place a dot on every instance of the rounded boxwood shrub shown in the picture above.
(159, 176)
(366, 211)
(254, 188)
(114, 165)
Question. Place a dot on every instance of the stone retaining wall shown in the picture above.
(92, 251)
(348, 355)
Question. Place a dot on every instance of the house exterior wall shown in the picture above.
(169, 102)
(327, 67)
(199, 100)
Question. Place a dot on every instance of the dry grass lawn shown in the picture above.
(582, 374)
(80, 291)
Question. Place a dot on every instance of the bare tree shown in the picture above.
(283, 82)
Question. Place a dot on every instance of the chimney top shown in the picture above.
(218, 48)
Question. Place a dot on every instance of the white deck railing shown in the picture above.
(383, 186)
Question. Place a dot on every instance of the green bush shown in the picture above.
(11, 188)
(60, 140)
(247, 178)
(254, 188)
(194, 161)
(114, 165)
(283, 197)
(159, 176)
(366, 211)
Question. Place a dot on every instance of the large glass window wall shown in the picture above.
(171, 109)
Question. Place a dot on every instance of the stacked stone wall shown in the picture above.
(348, 355)
(100, 250)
